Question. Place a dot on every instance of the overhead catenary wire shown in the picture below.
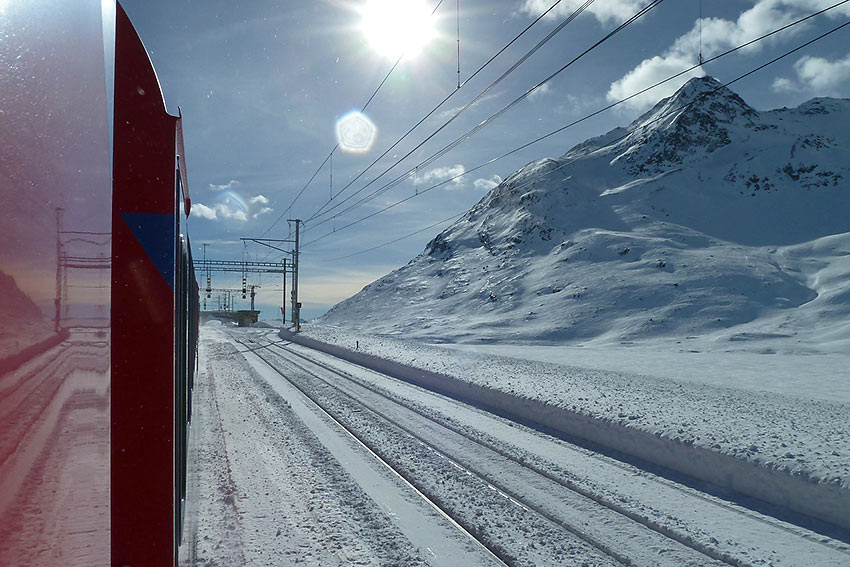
(329, 156)
(612, 105)
(700, 32)
(487, 121)
(400, 238)
(467, 106)
(457, 16)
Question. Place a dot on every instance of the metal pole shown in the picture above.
(57, 302)
(457, 7)
(207, 273)
(283, 299)
(296, 306)
(295, 280)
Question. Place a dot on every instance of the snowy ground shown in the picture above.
(782, 413)
(54, 454)
(273, 484)
(275, 481)
(810, 376)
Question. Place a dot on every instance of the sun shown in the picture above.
(396, 27)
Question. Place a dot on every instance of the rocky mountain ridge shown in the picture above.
(703, 216)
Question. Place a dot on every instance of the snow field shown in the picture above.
(59, 426)
(518, 535)
(784, 450)
(267, 491)
(711, 525)
(703, 218)
(704, 225)
(275, 483)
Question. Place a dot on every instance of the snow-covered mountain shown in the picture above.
(21, 321)
(704, 217)
(15, 305)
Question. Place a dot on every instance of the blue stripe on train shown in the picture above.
(156, 233)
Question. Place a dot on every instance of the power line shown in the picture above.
(330, 155)
(429, 227)
(597, 112)
(457, 15)
(487, 121)
(468, 105)
(617, 103)
(451, 94)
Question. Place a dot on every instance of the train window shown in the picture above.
(55, 281)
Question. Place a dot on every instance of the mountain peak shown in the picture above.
(695, 119)
(697, 114)
(698, 87)
(705, 96)
(701, 217)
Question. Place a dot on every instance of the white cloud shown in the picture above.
(822, 75)
(218, 211)
(232, 206)
(261, 212)
(485, 184)
(224, 211)
(610, 11)
(203, 211)
(226, 187)
(439, 174)
(539, 91)
(783, 85)
(647, 73)
(718, 35)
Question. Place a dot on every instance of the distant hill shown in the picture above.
(15, 305)
(703, 216)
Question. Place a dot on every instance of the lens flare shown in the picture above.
(231, 205)
(355, 132)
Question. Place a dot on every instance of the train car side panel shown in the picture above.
(143, 285)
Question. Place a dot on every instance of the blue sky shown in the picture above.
(262, 83)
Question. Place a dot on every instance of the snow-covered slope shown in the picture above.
(21, 322)
(15, 305)
(704, 217)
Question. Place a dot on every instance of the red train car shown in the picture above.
(98, 300)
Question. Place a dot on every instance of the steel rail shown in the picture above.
(509, 493)
(565, 483)
(494, 554)
(737, 509)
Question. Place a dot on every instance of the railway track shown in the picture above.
(452, 460)
(495, 555)
(563, 477)
(539, 500)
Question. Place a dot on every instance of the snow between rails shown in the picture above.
(825, 502)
